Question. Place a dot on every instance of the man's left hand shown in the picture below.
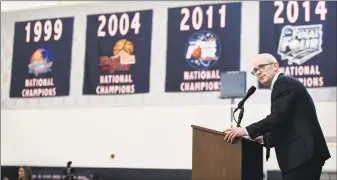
(232, 133)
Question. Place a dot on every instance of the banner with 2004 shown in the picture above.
(118, 48)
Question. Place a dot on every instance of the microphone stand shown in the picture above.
(232, 111)
(242, 110)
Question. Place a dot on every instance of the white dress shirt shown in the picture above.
(274, 79)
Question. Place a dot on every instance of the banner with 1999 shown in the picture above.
(42, 58)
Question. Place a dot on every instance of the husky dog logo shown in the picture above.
(299, 44)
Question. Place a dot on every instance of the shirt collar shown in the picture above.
(274, 79)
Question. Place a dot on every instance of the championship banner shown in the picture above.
(118, 52)
(302, 36)
(42, 58)
(203, 41)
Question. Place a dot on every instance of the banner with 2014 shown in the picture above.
(302, 36)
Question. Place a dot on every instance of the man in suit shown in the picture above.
(292, 127)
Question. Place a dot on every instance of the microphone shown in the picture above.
(250, 91)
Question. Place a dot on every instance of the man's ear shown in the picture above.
(276, 66)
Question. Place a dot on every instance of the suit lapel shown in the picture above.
(272, 94)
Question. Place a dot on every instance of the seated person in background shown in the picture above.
(25, 173)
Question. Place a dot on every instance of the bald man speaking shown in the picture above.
(292, 127)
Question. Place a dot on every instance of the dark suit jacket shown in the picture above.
(292, 128)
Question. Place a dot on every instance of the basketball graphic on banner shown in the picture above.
(125, 45)
(196, 53)
(206, 50)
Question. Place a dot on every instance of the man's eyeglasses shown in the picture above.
(260, 68)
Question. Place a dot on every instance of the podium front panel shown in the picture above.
(213, 158)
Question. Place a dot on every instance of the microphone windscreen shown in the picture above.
(251, 90)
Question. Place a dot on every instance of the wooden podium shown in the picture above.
(214, 158)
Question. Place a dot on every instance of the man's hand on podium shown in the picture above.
(232, 133)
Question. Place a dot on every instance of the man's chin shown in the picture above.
(264, 83)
